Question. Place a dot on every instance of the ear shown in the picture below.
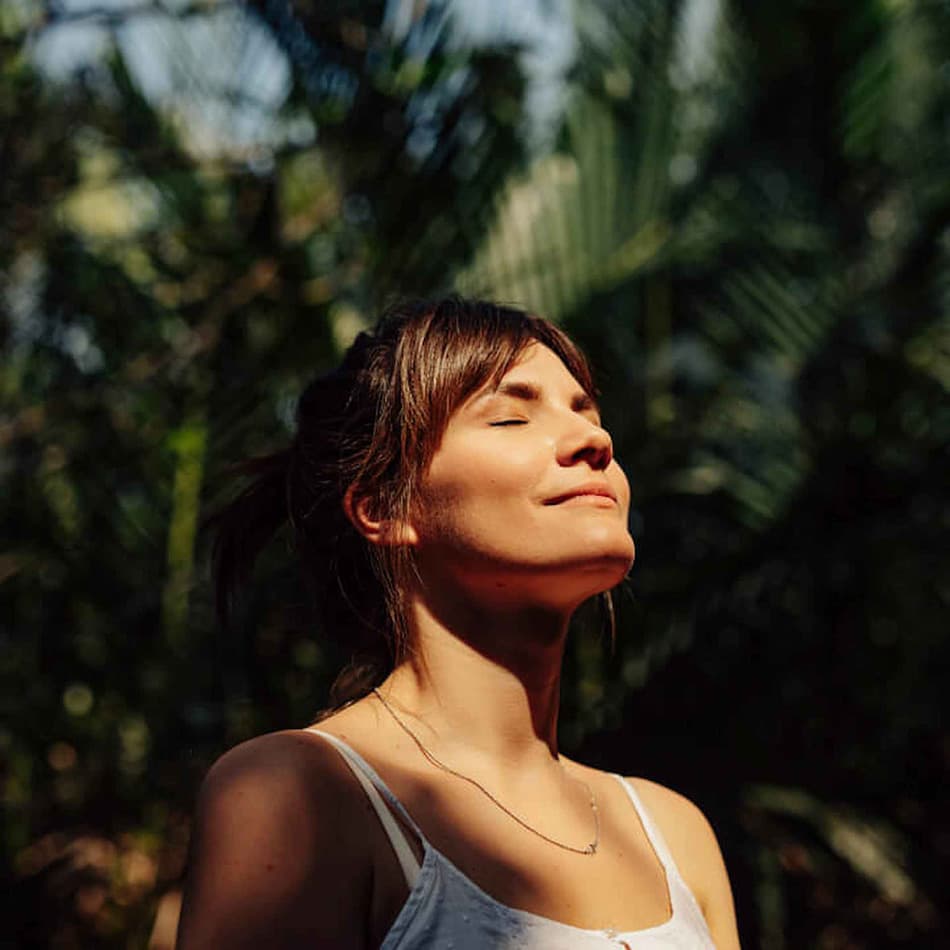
(388, 532)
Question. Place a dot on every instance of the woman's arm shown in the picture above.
(272, 863)
(694, 847)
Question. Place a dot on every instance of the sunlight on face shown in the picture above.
(523, 494)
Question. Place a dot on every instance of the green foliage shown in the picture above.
(744, 222)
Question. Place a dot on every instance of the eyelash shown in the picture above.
(522, 422)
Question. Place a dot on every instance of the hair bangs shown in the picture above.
(455, 352)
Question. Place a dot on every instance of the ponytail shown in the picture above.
(243, 527)
(301, 488)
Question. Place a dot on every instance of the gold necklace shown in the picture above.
(589, 849)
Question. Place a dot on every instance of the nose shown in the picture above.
(587, 442)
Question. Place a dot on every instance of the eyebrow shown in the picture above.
(528, 392)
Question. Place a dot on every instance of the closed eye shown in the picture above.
(509, 422)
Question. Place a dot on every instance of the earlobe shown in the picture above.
(388, 532)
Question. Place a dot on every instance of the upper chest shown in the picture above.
(624, 886)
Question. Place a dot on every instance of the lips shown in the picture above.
(596, 489)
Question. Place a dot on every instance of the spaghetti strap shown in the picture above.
(653, 833)
(373, 785)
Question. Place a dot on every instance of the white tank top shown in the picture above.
(446, 910)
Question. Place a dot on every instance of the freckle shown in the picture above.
(269, 866)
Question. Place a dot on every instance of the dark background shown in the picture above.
(742, 211)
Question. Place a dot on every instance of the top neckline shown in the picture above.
(431, 854)
(519, 912)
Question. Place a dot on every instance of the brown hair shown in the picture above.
(373, 424)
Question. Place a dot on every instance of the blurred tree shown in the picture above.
(747, 228)
(745, 223)
(146, 285)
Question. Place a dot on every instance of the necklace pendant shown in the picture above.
(590, 849)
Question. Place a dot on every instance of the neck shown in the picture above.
(483, 684)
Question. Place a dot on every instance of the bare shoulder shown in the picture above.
(293, 760)
(678, 817)
(273, 853)
(694, 847)
(276, 785)
(290, 790)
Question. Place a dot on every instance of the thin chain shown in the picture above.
(589, 849)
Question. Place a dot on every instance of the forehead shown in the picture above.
(536, 369)
(540, 364)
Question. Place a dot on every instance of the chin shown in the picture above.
(613, 572)
(614, 551)
(591, 576)
(617, 564)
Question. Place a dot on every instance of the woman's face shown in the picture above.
(523, 497)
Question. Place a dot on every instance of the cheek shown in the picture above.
(480, 491)
(496, 471)
(621, 484)
(444, 503)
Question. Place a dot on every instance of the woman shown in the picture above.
(452, 488)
